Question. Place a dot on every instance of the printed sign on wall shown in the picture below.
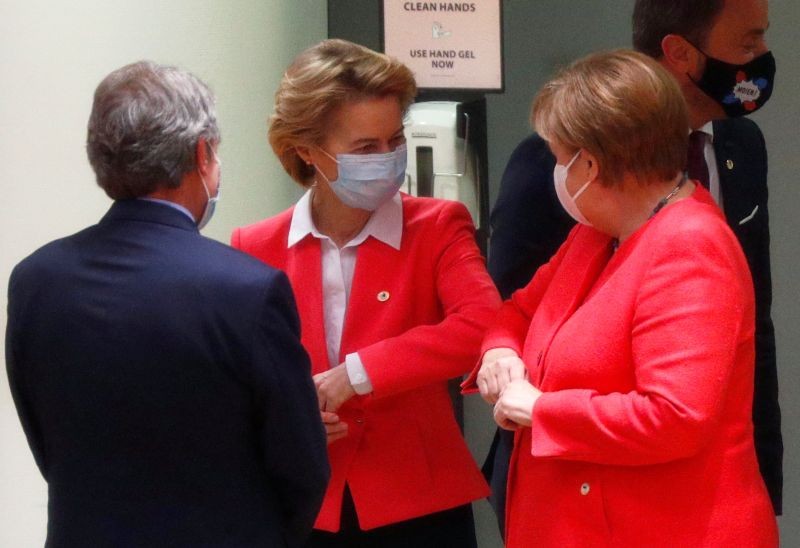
(448, 45)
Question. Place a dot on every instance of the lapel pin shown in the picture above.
(729, 164)
(383, 296)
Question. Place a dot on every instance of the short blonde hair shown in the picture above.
(317, 83)
(622, 107)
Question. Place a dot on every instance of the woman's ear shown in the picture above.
(305, 153)
(593, 168)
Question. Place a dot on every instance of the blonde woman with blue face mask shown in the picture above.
(393, 299)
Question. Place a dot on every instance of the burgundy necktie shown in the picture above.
(696, 160)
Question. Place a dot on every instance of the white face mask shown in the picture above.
(568, 202)
(211, 204)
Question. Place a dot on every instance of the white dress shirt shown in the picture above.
(711, 163)
(338, 267)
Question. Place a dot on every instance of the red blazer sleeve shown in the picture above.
(691, 323)
(510, 326)
(469, 300)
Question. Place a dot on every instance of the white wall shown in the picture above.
(52, 56)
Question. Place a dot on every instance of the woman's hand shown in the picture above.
(333, 388)
(335, 428)
(515, 406)
(499, 367)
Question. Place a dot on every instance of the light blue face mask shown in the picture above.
(366, 181)
(211, 204)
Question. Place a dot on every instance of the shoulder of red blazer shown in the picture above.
(423, 211)
(701, 221)
(703, 196)
(263, 234)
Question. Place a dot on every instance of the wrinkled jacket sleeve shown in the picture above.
(469, 300)
(293, 437)
(509, 328)
(16, 374)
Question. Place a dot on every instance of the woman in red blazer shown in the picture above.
(393, 298)
(626, 365)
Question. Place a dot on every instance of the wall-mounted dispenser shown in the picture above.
(442, 160)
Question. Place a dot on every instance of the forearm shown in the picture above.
(426, 354)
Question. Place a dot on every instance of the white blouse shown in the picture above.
(338, 267)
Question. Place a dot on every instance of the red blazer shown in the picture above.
(643, 434)
(404, 455)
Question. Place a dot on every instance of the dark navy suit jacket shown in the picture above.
(161, 384)
(529, 224)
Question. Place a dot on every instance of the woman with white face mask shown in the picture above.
(393, 299)
(625, 366)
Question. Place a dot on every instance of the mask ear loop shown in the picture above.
(318, 170)
(569, 165)
(703, 53)
(322, 150)
(582, 189)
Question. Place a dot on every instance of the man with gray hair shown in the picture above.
(159, 375)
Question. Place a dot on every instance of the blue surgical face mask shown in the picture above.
(211, 204)
(366, 181)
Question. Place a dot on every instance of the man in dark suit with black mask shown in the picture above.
(717, 52)
(158, 374)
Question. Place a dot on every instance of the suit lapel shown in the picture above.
(736, 200)
(577, 274)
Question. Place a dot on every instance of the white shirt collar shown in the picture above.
(708, 129)
(385, 223)
(173, 205)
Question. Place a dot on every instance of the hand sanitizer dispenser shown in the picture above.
(441, 160)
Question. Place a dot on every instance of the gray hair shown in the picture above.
(144, 128)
